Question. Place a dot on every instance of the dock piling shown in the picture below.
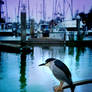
(23, 24)
(78, 26)
(32, 28)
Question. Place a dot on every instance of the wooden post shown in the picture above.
(78, 83)
(32, 28)
(78, 26)
(23, 24)
(64, 36)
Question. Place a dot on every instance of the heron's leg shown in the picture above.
(59, 88)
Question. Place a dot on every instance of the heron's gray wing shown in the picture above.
(63, 67)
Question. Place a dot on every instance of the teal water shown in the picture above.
(21, 73)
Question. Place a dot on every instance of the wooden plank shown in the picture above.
(10, 45)
(51, 41)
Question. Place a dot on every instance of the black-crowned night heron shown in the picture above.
(60, 71)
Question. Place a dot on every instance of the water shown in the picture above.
(21, 73)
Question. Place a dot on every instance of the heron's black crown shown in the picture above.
(49, 60)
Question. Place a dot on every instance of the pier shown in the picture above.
(45, 41)
(32, 31)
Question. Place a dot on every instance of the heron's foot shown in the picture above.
(58, 89)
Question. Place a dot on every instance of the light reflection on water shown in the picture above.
(21, 73)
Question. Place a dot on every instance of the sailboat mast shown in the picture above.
(53, 11)
(6, 10)
(44, 15)
(36, 11)
(28, 11)
(64, 8)
(72, 8)
(55, 7)
(18, 11)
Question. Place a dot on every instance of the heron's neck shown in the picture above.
(51, 65)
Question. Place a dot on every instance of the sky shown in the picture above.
(36, 8)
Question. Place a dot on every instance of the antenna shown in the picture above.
(44, 12)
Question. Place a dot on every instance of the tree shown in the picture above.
(87, 18)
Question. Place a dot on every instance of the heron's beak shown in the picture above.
(42, 64)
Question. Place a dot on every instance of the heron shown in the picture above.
(60, 71)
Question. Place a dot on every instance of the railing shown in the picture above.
(78, 83)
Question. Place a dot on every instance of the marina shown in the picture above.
(33, 31)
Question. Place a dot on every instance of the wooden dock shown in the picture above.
(46, 41)
(17, 46)
(60, 42)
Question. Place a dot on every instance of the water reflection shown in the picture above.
(32, 53)
(0, 66)
(23, 72)
(53, 51)
(23, 65)
(0, 56)
(79, 51)
(71, 51)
